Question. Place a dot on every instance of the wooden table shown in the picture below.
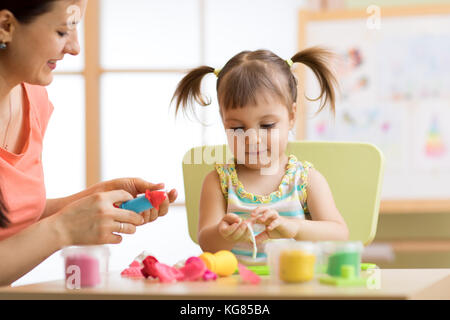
(394, 284)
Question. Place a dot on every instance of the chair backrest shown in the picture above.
(354, 172)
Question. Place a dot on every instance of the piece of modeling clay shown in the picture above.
(132, 272)
(248, 276)
(255, 229)
(149, 267)
(167, 273)
(193, 269)
(135, 264)
(209, 275)
(151, 199)
(252, 237)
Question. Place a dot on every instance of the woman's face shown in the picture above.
(34, 48)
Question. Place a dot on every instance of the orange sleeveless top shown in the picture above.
(21, 175)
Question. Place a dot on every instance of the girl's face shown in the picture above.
(34, 48)
(258, 134)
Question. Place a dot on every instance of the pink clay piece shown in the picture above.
(132, 272)
(193, 269)
(209, 275)
(248, 276)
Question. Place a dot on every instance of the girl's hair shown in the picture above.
(252, 75)
(25, 11)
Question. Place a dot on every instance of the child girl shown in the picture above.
(257, 94)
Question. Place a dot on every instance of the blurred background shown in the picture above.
(113, 116)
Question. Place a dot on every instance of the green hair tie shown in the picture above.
(290, 62)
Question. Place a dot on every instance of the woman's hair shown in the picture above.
(4, 221)
(252, 75)
(26, 10)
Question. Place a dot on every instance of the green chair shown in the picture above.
(354, 172)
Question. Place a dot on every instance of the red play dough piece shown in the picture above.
(155, 197)
(248, 275)
(193, 269)
(149, 267)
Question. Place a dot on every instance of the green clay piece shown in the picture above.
(343, 282)
(347, 278)
(347, 272)
(366, 266)
(337, 260)
(260, 270)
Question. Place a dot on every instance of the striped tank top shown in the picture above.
(289, 201)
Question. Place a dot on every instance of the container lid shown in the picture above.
(96, 250)
(290, 244)
(341, 246)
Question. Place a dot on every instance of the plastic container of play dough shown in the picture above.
(338, 255)
(85, 266)
(291, 261)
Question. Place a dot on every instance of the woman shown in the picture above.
(34, 35)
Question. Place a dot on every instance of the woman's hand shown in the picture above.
(232, 228)
(276, 226)
(95, 220)
(136, 186)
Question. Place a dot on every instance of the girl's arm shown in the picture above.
(327, 223)
(212, 211)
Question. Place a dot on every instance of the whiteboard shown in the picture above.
(394, 92)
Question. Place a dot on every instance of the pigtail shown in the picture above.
(189, 89)
(317, 59)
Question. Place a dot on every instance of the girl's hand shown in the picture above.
(136, 186)
(233, 228)
(276, 226)
(94, 219)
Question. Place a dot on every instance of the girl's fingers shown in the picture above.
(231, 218)
(267, 217)
(263, 236)
(226, 230)
(239, 232)
(274, 224)
(258, 211)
